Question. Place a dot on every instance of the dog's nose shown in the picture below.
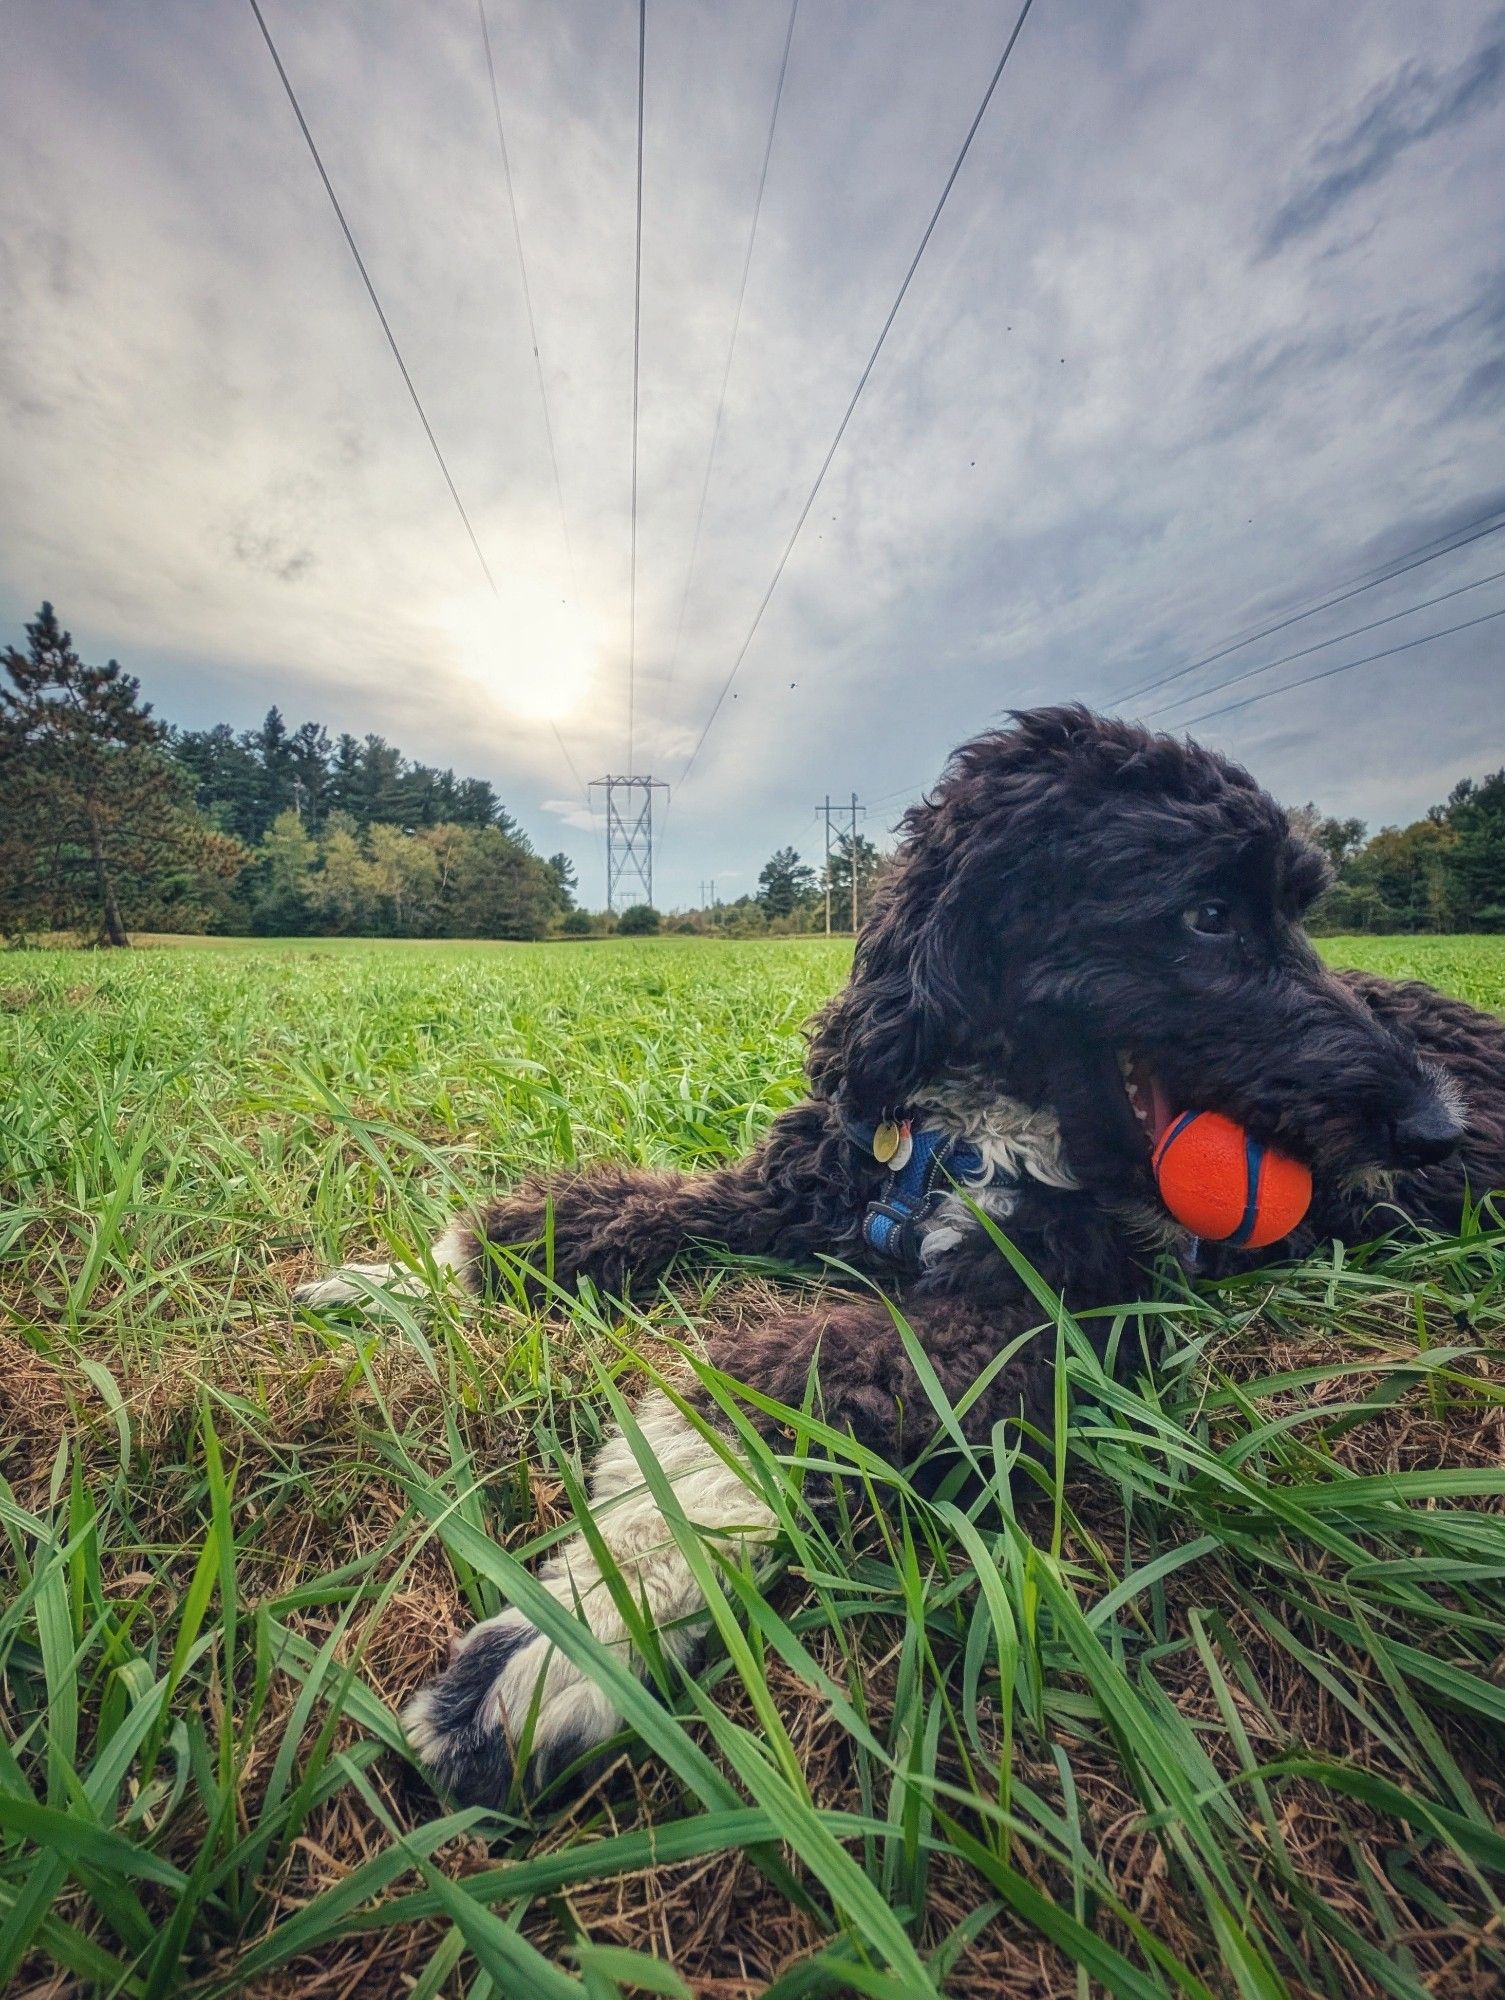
(1428, 1132)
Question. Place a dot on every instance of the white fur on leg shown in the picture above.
(466, 1724)
(354, 1281)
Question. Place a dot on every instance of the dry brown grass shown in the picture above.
(294, 1399)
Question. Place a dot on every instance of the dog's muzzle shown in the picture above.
(1428, 1131)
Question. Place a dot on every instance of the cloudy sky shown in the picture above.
(1213, 324)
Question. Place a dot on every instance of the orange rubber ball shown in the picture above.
(1226, 1186)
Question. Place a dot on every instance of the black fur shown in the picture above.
(1033, 927)
(470, 1761)
(1047, 912)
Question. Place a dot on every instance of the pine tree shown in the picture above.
(417, 800)
(276, 755)
(785, 883)
(98, 814)
(308, 759)
(227, 779)
(379, 787)
(562, 869)
(476, 804)
(345, 775)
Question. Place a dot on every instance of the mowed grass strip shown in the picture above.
(1213, 1703)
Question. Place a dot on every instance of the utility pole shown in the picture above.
(825, 811)
(629, 833)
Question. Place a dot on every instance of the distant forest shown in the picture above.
(347, 836)
(112, 821)
(1443, 872)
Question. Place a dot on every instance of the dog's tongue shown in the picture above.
(1161, 1110)
(1152, 1104)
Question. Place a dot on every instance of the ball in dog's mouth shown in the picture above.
(1219, 1183)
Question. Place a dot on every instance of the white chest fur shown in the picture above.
(1015, 1142)
(1012, 1137)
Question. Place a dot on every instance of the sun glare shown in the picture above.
(533, 655)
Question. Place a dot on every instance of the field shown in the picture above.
(1213, 1705)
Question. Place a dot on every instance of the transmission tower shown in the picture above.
(629, 833)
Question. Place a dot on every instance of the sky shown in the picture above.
(1212, 324)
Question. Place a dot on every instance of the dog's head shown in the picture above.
(1109, 921)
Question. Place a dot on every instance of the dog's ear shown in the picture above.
(928, 985)
(915, 987)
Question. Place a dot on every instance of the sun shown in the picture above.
(528, 649)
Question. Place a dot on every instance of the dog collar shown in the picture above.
(922, 1165)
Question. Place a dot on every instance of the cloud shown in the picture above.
(573, 813)
(1409, 108)
(1106, 435)
(268, 549)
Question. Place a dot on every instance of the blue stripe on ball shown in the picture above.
(1254, 1160)
(1173, 1132)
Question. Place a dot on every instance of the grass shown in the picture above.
(1215, 1704)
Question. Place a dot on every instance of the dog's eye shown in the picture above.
(1210, 919)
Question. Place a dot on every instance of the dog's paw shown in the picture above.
(452, 1256)
(468, 1725)
(344, 1286)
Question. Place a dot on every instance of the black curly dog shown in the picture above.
(1087, 927)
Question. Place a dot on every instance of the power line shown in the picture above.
(862, 382)
(726, 373)
(1306, 680)
(1357, 631)
(1409, 559)
(725, 379)
(637, 348)
(903, 792)
(1447, 535)
(360, 265)
(371, 293)
(522, 265)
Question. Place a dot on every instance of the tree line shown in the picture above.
(789, 901)
(1443, 872)
(111, 820)
(115, 821)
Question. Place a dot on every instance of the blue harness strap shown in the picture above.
(891, 1224)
